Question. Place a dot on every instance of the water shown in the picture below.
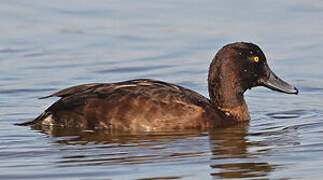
(49, 45)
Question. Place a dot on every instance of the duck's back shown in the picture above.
(141, 104)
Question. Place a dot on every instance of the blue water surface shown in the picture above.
(46, 46)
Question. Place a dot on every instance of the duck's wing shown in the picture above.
(136, 104)
(72, 90)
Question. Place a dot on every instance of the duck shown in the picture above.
(152, 105)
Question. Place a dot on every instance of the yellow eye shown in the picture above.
(256, 59)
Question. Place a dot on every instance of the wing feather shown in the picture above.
(72, 90)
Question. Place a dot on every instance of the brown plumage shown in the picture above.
(149, 105)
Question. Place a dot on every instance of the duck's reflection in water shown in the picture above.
(231, 155)
(117, 148)
(83, 137)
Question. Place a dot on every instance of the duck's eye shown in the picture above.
(256, 59)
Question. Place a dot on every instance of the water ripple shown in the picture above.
(19, 91)
(287, 114)
(133, 69)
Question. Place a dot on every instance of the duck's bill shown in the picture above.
(276, 84)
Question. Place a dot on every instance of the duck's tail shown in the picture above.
(37, 120)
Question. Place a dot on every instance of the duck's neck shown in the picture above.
(226, 95)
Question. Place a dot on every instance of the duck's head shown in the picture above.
(238, 67)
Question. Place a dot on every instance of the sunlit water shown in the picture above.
(49, 45)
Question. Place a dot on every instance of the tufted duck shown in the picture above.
(150, 105)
